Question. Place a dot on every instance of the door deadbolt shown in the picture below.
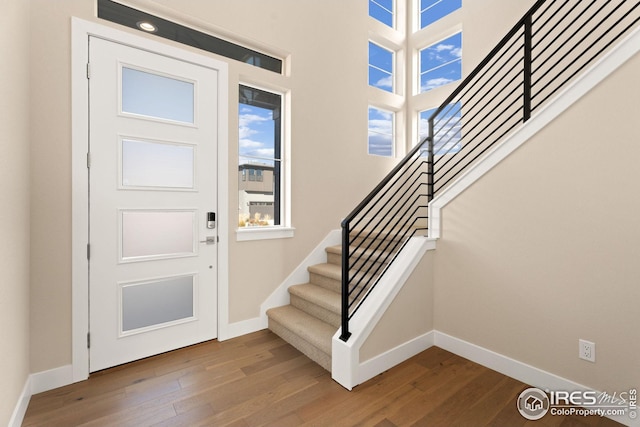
(211, 220)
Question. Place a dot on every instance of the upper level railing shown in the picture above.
(547, 48)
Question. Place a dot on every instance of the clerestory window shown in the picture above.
(381, 67)
(383, 11)
(441, 63)
(447, 128)
(433, 10)
(381, 132)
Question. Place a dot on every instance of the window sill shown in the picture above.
(263, 233)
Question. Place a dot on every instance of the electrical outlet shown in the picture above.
(587, 350)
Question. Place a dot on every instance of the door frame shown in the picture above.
(81, 30)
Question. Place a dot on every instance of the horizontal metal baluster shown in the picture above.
(509, 129)
(471, 148)
(562, 20)
(565, 42)
(477, 116)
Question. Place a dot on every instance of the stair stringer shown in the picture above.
(346, 367)
(575, 90)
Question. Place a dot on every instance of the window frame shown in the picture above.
(419, 11)
(393, 12)
(282, 185)
(419, 72)
(392, 73)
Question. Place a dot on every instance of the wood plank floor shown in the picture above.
(260, 380)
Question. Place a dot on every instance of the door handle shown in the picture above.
(210, 240)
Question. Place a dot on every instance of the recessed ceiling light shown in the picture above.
(147, 26)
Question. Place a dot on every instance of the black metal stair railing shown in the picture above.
(553, 43)
(378, 228)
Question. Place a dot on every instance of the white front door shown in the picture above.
(152, 201)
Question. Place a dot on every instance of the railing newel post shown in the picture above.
(345, 334)
(527, 60)
(430, 162)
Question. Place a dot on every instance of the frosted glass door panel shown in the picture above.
(156, 164)
(153, 178)
(157, 303)
(157, 96)
(157, 234)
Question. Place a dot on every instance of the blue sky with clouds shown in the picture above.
(447, 129)
(256, 128)
(440, 64)
(432, 10)
(380, 132)
(382, 10)
(380, 67)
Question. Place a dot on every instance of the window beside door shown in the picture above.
(260, 160)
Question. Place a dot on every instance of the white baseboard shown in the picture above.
(53, 378)
(345, 365)
(38, 383)
(244, 327)
(361, 372)
(505, 365)
(59, 377)
(21, 406)
(515, 369)
(387, 360)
